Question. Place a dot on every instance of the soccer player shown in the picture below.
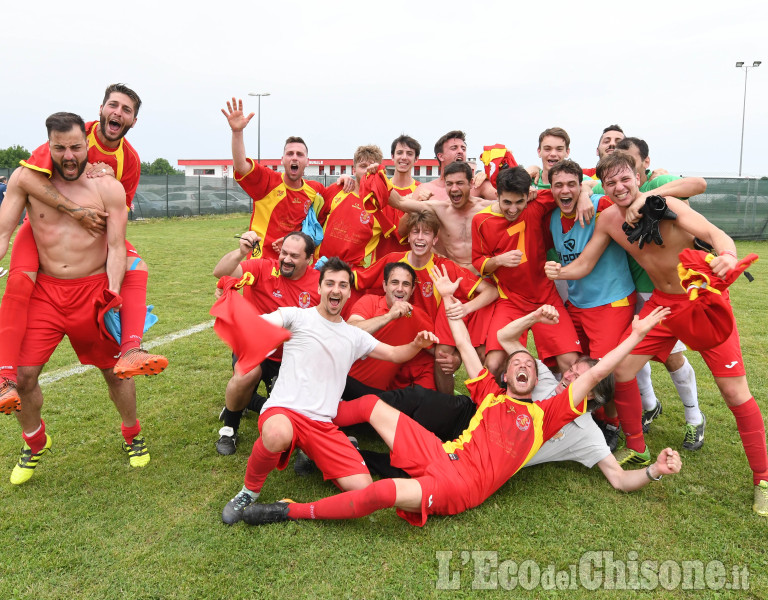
(286, 281)
(477, 294)
(108, 147)
(451, 147)
(281, 201)
(621, 183)
(391, 318)
(405, 153)
(509, 242)
(680, 370)
(449, 478)
(352, 231)
(554, 146)
(580, 440)
(455, 216)
(611, 136)
(75, 268)
(306, 395)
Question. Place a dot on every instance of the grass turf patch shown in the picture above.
(88, 526)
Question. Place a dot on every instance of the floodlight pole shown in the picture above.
(741, 65)
(258, 122)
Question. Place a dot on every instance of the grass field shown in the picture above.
(87, 526)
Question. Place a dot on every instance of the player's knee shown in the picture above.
(354, 482)
(136, 264)
(26, 381)
(675, 361)
(277, 434)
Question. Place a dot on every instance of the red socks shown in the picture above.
(36, 441)
(629, 407)
(260, 464)
(352, 412)
(13, 321)
(749, 422)
(130, 432)
(348, 505)
(133, 313)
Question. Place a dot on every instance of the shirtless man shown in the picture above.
(455, 216)
(75, 267)
(452, 147)
(621, 183)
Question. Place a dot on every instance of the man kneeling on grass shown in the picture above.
(449, 478)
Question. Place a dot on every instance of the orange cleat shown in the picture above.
(9, 397)
(139, 362)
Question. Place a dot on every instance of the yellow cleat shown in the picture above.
(25, 468)
(138, 454)
(760, 505)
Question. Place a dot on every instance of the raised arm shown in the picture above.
(237, 122)
(446, 288)
(509, 335)
(230, 262)
(640, 327)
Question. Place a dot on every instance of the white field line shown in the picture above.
(65, 372)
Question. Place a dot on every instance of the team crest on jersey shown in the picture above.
(426, 289)
(365, 218)
(304, 299)
(307, 205)
(523, 422)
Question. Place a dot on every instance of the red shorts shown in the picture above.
(421, 454)
(600, 328)
(322, 441)
(724, 360)
(478, 324)
(420, 370)
(551, 340)
(60, 307)
(24, 256)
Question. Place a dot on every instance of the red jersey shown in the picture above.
(424, 296)
(124, 160)
(351, 232)
(381, 374)
(270, 290)
(277, 208)
(504, 434)
(493, 234)
(392, 243)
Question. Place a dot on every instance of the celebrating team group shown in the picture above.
(382, 288)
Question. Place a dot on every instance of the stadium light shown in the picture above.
(741, 65)
(258, 121)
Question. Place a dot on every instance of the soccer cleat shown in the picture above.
(303, 465)
(227, 443)
(694, 435)
(611, 434)
(138, 454)
(760, 506)
(139, 362)
(627, 457)
(233, 511)
(9, 397)
(651, 415)
(261, 514)
(25, 468)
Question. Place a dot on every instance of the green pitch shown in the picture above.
(87, 526)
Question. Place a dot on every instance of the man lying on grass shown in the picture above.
(507, 430)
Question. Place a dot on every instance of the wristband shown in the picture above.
(729, 253)
(651, 477)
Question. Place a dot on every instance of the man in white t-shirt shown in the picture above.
(305, 398)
